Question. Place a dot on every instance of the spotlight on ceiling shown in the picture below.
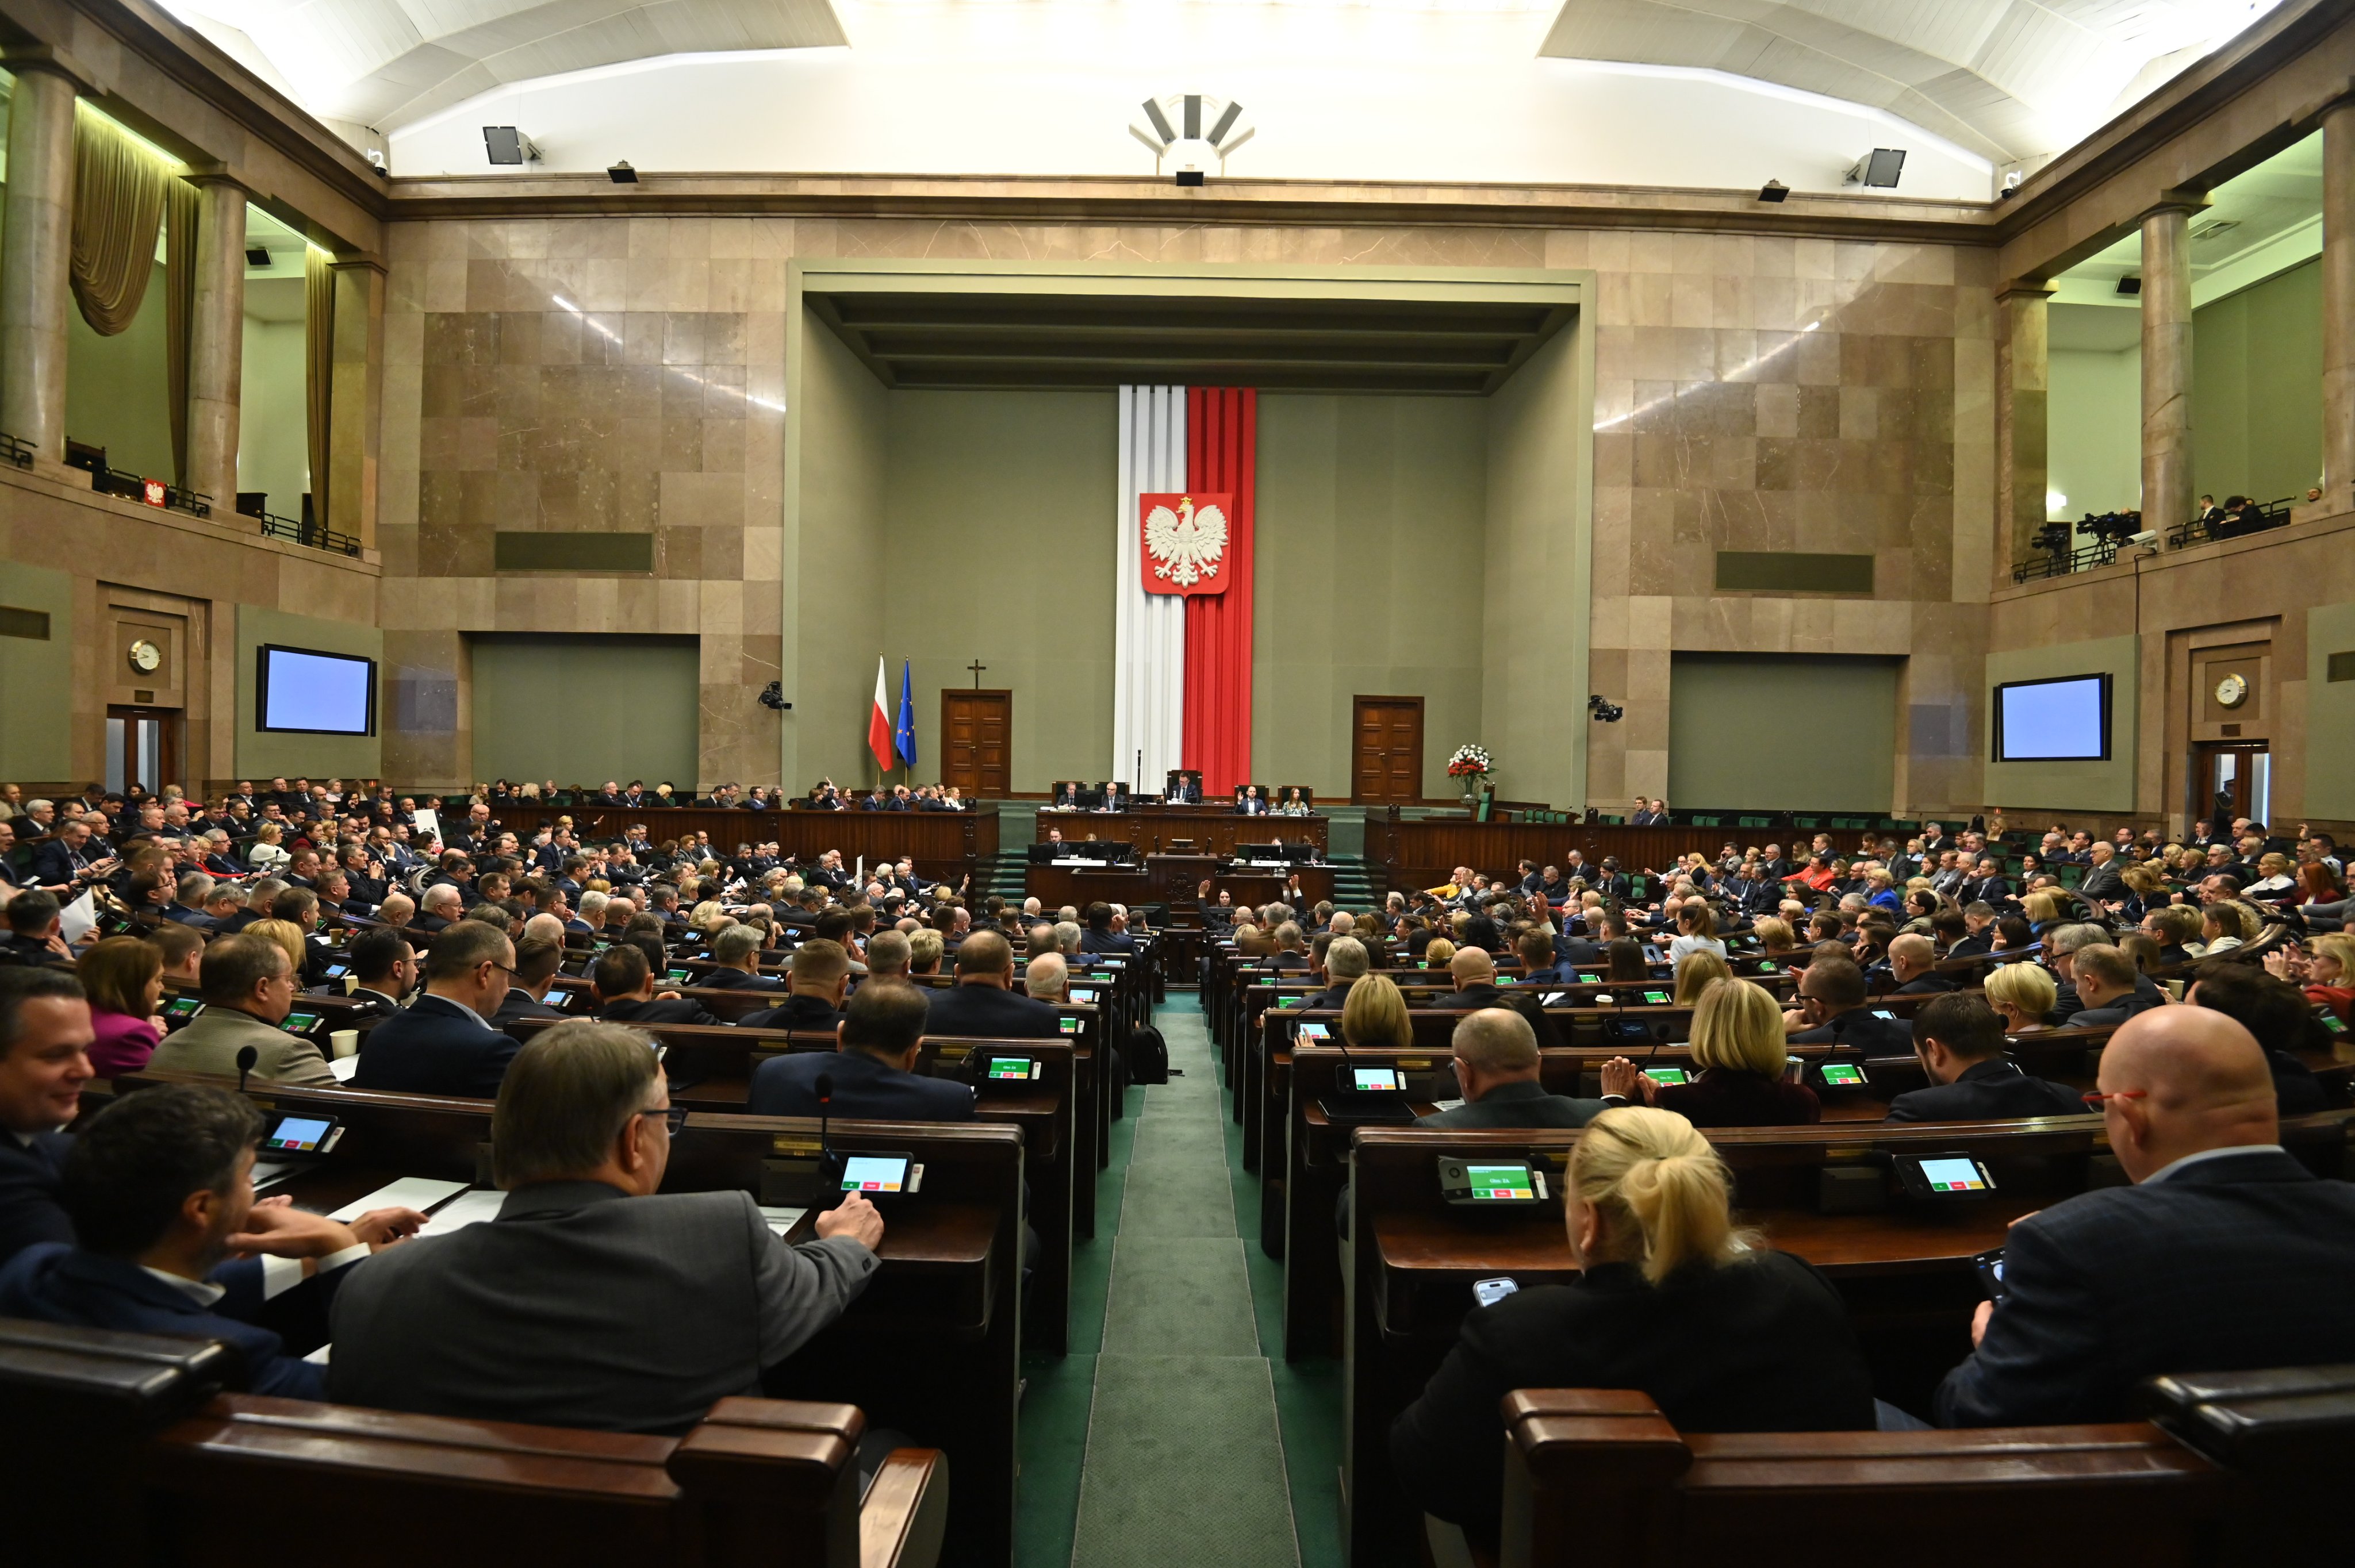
(621, 174)
(1605, 712)
(1878, 168)
(2130, 285)
(1773, 190)
(508, 146)
(1189, 130)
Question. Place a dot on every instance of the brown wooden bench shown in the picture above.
(192, 1476)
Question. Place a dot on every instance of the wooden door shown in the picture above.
(977, 742)
(2229, 781)
(143, 748)
(1387, 765)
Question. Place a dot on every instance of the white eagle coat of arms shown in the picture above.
(1185, 542)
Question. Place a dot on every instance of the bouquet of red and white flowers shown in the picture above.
(1469, 761)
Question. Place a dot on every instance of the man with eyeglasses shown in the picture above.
(2225, 1255)
(439, 1044)
(592, 1299)
(248, 988)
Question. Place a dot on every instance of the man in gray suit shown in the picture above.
(593, 1301)
(1497, 1069)
(248, 986)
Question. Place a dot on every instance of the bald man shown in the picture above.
(1475, 973)
(1913, 960)
(2225, 1255)
(1497, 1068)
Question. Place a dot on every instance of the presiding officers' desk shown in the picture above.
(1824, 1193)
(932, 1346)
(1201, 830)
(1170, 879)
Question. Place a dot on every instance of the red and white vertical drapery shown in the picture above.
(1222, 456)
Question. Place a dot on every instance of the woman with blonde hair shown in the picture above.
(1722, 1333)
(266, 856)
(1739, 1044)
(2024, 993)
(1375, 1015)
(1695, 975)
(1774, 933)
(1438, 953)
(2042, 910)
(289, 937)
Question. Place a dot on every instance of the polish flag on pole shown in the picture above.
(879, 722)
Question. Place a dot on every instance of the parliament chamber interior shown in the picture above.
(1669, 888)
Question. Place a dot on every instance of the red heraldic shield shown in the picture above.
(1184, 542)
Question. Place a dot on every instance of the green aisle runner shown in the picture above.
(1156, 1443)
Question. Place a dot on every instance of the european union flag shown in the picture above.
(904, 738)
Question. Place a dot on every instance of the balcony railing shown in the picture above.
(317, 536)
(2255, 518)
(2112, 530)
(109, 481)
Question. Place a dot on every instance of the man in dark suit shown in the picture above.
(461, 1328)
(737, 951)
(817, 979)
(1978, 920)
(159, 1189)
(439, 1044)
(1100, 937)
(1290, 950)
(1913, 964)
(2225, 1255)
(1183, 790)
(874, 1073)
(45, 1040)
(1496, 1072)
(1831, 1009)
(1959, 1042)
(1343, 964)
(2110, 987)
(1986, 883)
(983, 1004)
(625, 984)
(1476, 987)
(537, 958)
(1067, 798)
(384, 969)
(2280, 1018)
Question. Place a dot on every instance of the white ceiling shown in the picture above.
(2012, 80)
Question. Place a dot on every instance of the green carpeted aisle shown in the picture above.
(1168, 1437)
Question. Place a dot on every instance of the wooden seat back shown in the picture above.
(1601, 1476)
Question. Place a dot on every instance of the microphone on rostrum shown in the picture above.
(245, 1057)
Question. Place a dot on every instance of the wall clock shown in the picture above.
(2233, 691)
(145, 656)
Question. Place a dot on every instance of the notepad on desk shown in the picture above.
(408, 1193)
(343, 1067)
(466, 1209)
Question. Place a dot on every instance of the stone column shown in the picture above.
(36, 249)
(2167, 492)
(355, 408)
(217, 343)
(2022, 388)
(2339, 306)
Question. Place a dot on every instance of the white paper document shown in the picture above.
(782, 1220)
(466, 1209)
(343, 1067)
(408, 1193)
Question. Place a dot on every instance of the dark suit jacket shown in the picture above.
(1760, 1345)
(1517, 1105)
(1720, 1097)
(1878, 1036)
(63, 1284)
(1473, 997)
(810, 1013)
(29, 1210)
(2230, 1263)
(518, 1003)
(985, 1012)
(542, 1314)
(433, 1047)
(863, 1087)
(1332, 998)
(736, 980)
(1095, 941)
(674, 1009)
(1992, 1090)
(1931, 984)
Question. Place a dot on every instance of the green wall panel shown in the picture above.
(264, 755)
(2106, 786)
(37, 678)
(2329, 714)
(586, 709)
(1792, 732)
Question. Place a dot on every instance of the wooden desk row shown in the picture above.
(932, 1346)
(1212, 829)
(171, 1471)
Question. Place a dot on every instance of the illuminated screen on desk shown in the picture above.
(296, 1134)
(1495, 1181)
(301, 1023)
(1842, 1072)
(183, 1007)
(1012, 1067)
(1379, 1079)
(1656, 998)
(1071, 1025)
(1953, 1176)
(874, 1174)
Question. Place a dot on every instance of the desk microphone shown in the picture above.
(824, 1107)
(245, 1057)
